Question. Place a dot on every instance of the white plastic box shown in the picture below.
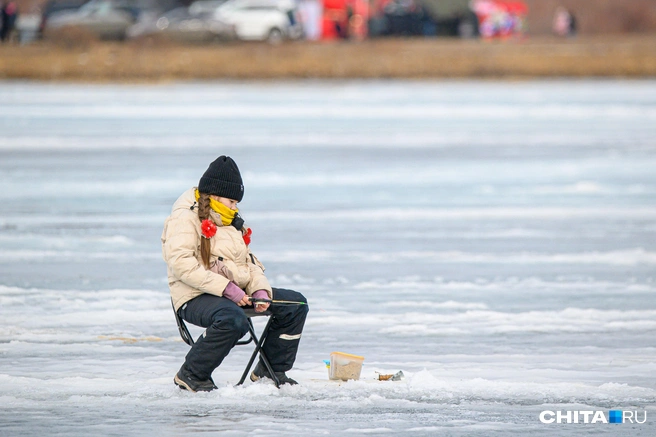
(345, 366)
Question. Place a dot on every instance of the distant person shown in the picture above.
(212, 275)
(564, 23)
(572, 24)
(2, 20)
(341, 28)
(348, 27)
(9, 14)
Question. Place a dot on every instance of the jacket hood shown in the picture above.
(187, 200)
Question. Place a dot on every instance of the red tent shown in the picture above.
(517, 8)
(344, 19)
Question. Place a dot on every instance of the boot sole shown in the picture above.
(183, 385)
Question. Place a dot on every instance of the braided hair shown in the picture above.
(204, 213)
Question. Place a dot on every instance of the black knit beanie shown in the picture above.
(222, 179)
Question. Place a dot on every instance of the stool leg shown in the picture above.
(258, 349)
(265, 360)
(254, 354)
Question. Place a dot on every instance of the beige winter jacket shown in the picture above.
(187, 276)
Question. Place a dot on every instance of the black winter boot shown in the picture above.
(261, 371)
(187, 381)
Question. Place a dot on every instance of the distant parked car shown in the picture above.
(262, 20)
(54, 6)
(105, 18)
(425, 18)
(181, 24)
(452, 17)
(205, 6)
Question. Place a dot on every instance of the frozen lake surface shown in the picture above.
(494, 241)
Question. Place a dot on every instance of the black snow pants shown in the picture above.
(226, 323)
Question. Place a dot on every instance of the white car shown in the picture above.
(261, 20)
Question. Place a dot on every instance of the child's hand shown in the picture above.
(246, 300)
(261, 307)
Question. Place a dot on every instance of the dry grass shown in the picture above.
(617, 56)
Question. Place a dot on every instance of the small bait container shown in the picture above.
(345, 366)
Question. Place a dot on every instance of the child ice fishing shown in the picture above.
(213, 275)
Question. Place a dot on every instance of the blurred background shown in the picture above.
(275, 20)
(123, 39)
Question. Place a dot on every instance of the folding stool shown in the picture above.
(252, 337)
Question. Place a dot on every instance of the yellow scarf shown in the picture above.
(226, 213)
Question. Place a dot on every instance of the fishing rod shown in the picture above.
(276, 302)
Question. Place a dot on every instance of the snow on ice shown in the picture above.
(495, 241)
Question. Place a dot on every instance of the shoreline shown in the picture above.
(616, 56)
